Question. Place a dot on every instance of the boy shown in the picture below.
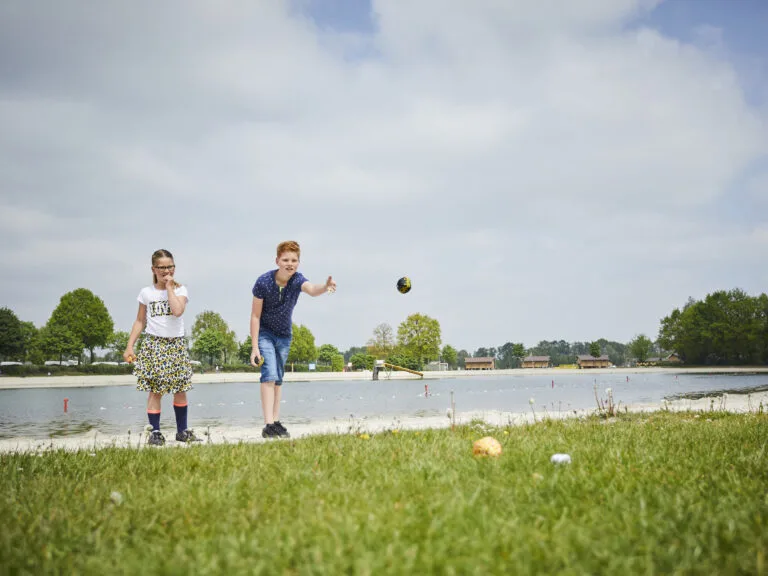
(275, 295)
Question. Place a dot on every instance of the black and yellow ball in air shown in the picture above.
(404, 285)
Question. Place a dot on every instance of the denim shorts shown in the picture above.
(274, 349)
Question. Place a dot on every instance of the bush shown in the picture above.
(234, 368)
(82, 370)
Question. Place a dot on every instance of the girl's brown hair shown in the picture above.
(156, 255)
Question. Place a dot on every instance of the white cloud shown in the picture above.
(538, 174)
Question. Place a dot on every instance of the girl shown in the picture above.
(162, 366)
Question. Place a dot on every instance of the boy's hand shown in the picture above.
(330, 285)
(256, 359)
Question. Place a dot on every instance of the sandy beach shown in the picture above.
(93, 440)
(9, 382)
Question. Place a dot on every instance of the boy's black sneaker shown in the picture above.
(187, 436)
(156, 439)
(281, 430)
(270, 431)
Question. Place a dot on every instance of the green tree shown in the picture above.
(460, 356)
(559, 351)
(209, 345)
(84, 315)
(449, 355)
(59, 341)
(337, 363)
(361, 361)
(616, 351)
(419, 335)
(326, 353)
(354, 350)
(118, 342)
(383, 341)
(244, 353)
(404, 358)
(505, 357)
(594, 349)
(31, 338)
(209, 320)
(302, 345)
(11, 336)
(762, 313)
(518, 351)
(640, 347)
(727, 327)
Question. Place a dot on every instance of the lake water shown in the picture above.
(39, 412)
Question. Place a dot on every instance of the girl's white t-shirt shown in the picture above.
(160, 321)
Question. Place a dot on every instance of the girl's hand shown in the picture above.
(330, 285)
(169, 282)
(128, 355)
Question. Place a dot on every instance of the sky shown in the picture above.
(540, 170)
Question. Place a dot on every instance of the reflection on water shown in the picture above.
(39, 413)
(713, 393)
(59, 428)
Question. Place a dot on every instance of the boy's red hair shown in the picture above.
(288, 246)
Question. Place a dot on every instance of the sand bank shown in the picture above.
(8, 382)
(94, 441)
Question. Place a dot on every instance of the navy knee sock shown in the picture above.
(154, 419)
(181, 417)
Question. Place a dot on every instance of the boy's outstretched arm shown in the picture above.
(317, 289)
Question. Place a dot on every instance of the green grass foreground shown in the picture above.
(645, 494)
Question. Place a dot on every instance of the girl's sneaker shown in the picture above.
(281, 430)
(156, 438)
(270, 431)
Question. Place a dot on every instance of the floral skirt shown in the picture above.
(163, 366)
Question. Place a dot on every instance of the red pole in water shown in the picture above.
(66, 401)
(553, 383)
(426, 390)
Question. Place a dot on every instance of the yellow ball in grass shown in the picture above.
(486, 447)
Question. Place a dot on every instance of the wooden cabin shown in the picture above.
(482, 363)
(587, 361)
(673, 358)
(536, 362)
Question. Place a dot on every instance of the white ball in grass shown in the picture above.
(560, 459)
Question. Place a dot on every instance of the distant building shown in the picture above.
(483, 363)
(587, 361)
(673, 358)
(536, 362)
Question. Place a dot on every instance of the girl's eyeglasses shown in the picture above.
(163, 268)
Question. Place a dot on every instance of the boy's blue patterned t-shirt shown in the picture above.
(277, 309)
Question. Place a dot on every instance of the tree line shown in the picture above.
(727, 327)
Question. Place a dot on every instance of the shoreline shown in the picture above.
(94, 440)
(102, 380)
